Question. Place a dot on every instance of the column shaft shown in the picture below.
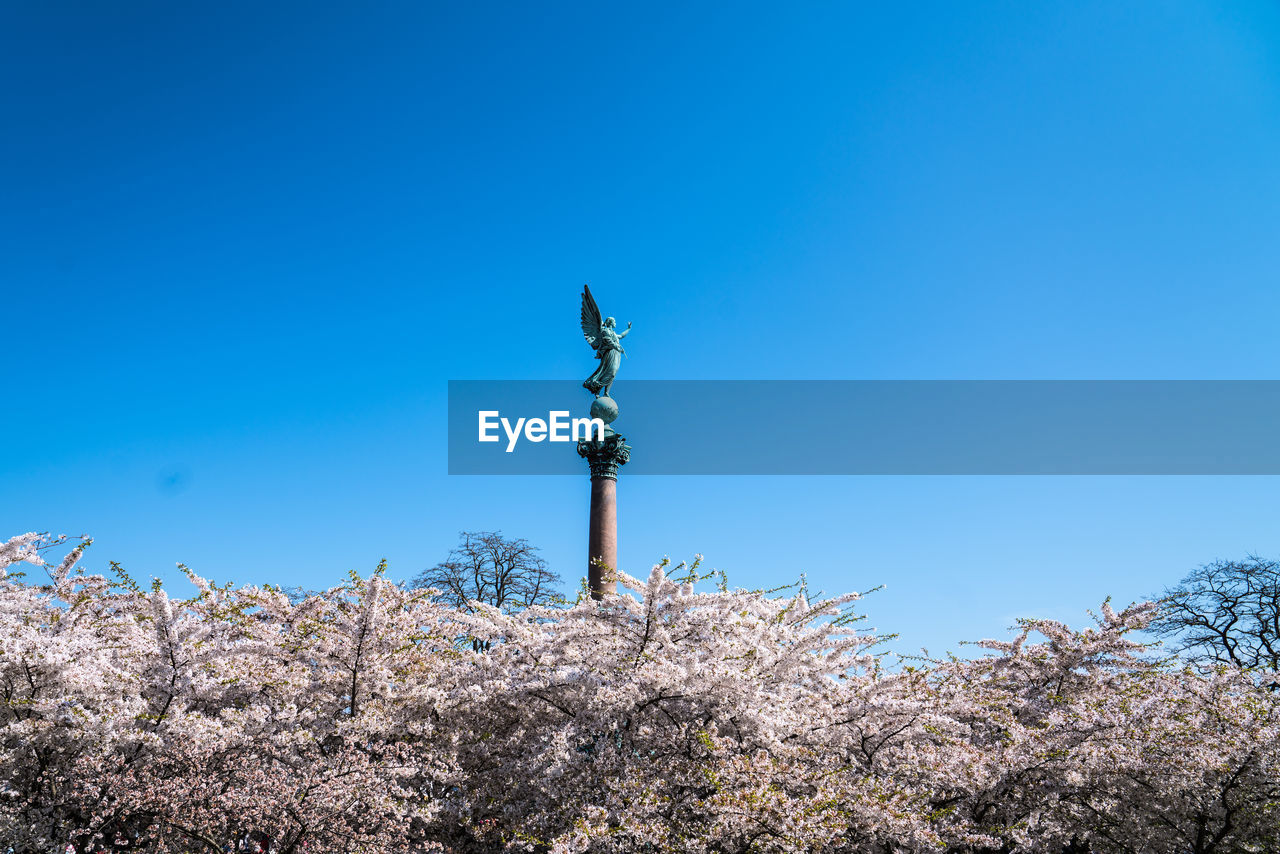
(603, 536)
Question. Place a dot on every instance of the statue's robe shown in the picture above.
(610, 356)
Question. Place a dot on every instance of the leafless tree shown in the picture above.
(298, 595)
(488, 567)
(1227, 612)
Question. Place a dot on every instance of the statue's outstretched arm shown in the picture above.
(623, 333)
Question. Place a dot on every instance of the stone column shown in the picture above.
(604, 456)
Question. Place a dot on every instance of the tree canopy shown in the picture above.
(1226, 612)
(664, 719)
(486, 567)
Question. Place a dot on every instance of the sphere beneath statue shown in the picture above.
(604, 408)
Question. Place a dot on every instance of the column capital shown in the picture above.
(605, 455)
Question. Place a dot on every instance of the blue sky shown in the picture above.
(245, 246)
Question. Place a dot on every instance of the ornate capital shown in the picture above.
(605, 455)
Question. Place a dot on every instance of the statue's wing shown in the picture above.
(590, 318)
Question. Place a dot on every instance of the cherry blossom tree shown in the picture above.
(134, 720)
(375, 717)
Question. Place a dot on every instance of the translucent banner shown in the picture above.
(875, 427)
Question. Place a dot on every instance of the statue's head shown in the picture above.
(608, 321)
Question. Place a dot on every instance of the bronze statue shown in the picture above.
(606, 341)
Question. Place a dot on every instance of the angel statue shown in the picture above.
(606, 341)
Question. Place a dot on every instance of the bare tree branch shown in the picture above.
(508, 574)
(1226, 612)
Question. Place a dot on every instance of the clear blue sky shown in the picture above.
(244, 246)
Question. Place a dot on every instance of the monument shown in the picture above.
(603, 455)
